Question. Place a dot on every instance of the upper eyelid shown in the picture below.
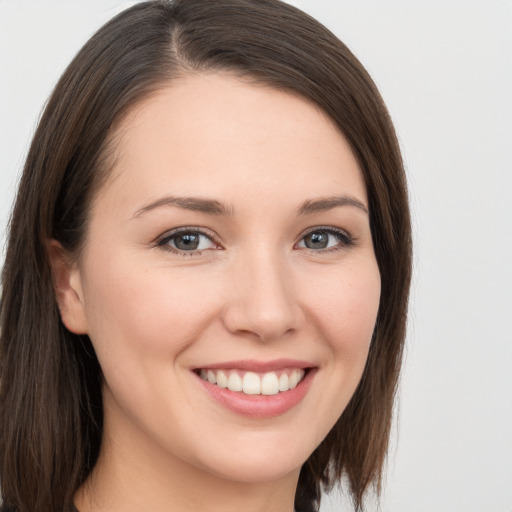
(346, 239)
(216, 239)
(330, 229)
(161, 242)
(188, 229)
(324, 228)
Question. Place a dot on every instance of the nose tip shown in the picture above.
(263, 304)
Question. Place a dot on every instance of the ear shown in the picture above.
(67, 284)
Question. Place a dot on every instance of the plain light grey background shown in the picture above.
(445, 71)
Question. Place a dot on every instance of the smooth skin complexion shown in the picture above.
(232, 236)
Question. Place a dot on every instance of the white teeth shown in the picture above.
(210, 375)
(235, 382)
(252, 383)
(270, 384)
(295, 378)
(222, 380)
(284, 383)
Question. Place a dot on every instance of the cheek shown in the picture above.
(347, 308)
(137, 314)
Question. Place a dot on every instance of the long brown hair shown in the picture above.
(50, 395)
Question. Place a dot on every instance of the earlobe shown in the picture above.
(67, 285)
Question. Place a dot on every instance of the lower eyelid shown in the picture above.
(342, 236)
(345, 240)
(164, 241)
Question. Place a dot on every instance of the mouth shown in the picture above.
(254, 383)
(256, 389)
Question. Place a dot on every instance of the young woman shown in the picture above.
(206, 279)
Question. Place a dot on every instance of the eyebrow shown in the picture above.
(328, 203)
(209, 206)
(214, 207)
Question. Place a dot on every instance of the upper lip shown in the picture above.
(257, 366)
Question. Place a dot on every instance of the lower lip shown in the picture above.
(259, 406)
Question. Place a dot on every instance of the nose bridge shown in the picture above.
(263, 301)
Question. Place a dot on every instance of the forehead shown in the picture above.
(218, 134)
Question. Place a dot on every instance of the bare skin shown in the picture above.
(272, 261)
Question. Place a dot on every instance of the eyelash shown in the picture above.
(345, 239)
(163, 241)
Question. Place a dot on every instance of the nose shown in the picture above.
(262, 299)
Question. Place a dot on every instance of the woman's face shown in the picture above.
(231, 243)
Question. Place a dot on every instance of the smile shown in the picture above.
(257, 389)
(253, 383)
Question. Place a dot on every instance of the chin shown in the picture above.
(258, 471)
(259, 459)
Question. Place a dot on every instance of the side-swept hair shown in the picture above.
(50, 395)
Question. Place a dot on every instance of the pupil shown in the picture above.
(187, 242)
(316, 240)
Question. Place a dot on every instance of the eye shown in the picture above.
(321, 239)
(187, 240)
